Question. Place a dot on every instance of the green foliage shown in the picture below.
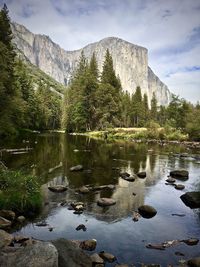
(193, 123)
(19, 192)
(153, 112)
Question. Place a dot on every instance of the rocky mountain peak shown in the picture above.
(130, 61)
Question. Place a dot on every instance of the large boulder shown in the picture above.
(104, 202)
(4, 222)
(147, 211)
(180, 174)
(36, 254)
(191, 199)
(76, 168)
(7, 214)
(5, 239)
(70, 255)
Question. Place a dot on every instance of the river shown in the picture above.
(50, 159)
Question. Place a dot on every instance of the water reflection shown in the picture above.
(54, 154)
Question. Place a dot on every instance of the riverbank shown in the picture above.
(147, 135)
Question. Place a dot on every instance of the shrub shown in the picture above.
(19, 192)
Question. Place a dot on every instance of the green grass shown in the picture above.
(140, 134)
(19, 192)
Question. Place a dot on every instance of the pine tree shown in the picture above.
(153, 112)
(137, 108)
(9, 95)
(108, 74)
(146, 108)
(93, 67)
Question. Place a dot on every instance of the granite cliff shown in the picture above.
(130, 61)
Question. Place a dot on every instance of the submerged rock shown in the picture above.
(4, 222)
(191, 199)
(58, 188)
(104, 202)
(147, 211)
(5, 239)
(70, 255)
(36, 254)
(76, 168)
(142, 174)
(180, 174)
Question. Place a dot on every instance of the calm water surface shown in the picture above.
(112, 227)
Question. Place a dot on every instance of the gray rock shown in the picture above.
(5, 239)
(104, 202)
(88, 244)
(4, 222)
(96, 259)
(7, 214)
(107, 256)
(58, 188)
(36, 254)
(83, 190)
(191, 199)
(76, 168)
(179, 186)
(70, 255)
(195, 262)
(191, 241)
(21, 219)
(180, 174)
(141, 174)
(147, 211)
(171, 180)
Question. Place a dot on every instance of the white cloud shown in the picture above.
(166, 28)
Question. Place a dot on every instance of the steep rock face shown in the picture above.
(130, 61)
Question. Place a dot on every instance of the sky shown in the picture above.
(169, 29)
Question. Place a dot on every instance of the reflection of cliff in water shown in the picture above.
(127, 202)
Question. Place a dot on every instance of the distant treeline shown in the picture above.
(92, 101)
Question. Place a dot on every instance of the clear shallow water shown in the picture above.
(112, 227)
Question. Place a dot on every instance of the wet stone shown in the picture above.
(191, 199)
(104, 202)
(147, 211)
(58, 188)
(142, 174)
(76, 168)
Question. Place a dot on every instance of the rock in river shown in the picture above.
(36, 254)
(88, 244)
(141, 174)
(195, 262)
(107, 256)
(70, 255)
(83, 190)
(5, 239)
(147, 211)
(7, 214)
(21, 219)
(4, 222)
(104, 202)
(171, 180)
(57, 188)
(179, 186)
(180, 174)
(96, 259)
(76, 168)
(191, 199)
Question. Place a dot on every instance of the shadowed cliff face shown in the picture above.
(130, 61)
